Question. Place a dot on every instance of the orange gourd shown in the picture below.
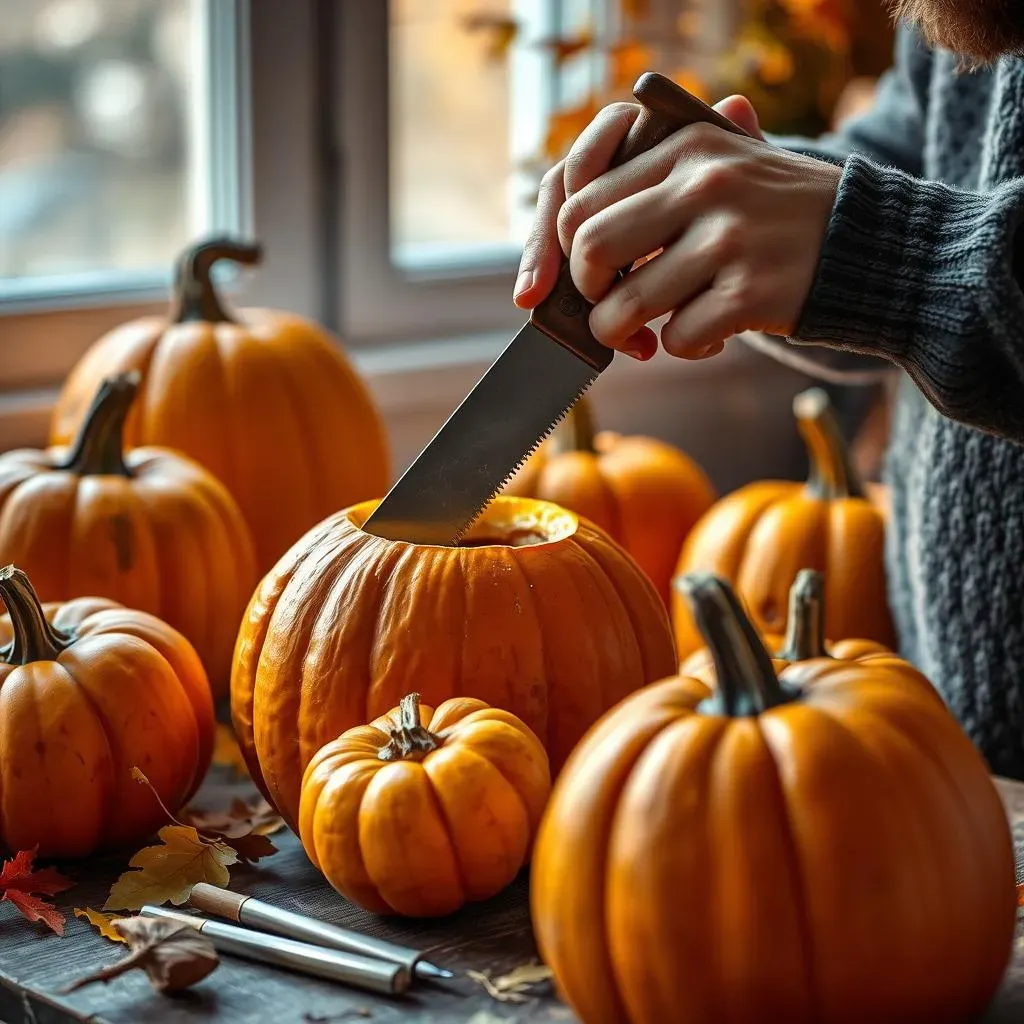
(768, 851)
(148, 528)
(88, 691)
(645, 493)
(265, 400)
(537, 612)
(422, 811)
(761, 535)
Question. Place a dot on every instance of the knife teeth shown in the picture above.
(515, 469)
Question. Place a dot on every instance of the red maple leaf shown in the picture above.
(23, 886)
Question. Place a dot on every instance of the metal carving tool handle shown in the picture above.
(361, 972)
(667, 108)
(250, 911)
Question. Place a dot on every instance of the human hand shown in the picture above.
(738, 226)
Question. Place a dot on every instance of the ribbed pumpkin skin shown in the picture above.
(270, 405)
(643, 492)
(698, 867)
(424, 833)
(129, 692)
(348, 623)
(761, 535)
(167, 539)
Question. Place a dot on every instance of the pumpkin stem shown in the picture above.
(195, 297)
(409, 740)
(35, 639)
(99, 448)
(832, 474)
(805, 631)
(746, 682)
(579, 428)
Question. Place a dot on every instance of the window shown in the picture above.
(112, 148)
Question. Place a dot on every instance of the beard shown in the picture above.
(981, 31)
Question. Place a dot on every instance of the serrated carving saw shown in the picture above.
(532, 384)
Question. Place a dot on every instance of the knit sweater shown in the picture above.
(918, 267)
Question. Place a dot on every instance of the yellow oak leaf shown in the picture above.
(168, 871)
(103, 923)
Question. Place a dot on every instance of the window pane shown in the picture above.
(101, 152)
(450, 128)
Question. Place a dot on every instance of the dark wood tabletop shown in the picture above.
(493, 937)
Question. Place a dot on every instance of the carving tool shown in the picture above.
(247, 910)
(349, 968)
(546, 367)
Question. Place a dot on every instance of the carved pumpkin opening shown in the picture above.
(508, 523)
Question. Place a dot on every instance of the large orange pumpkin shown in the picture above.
(422, 811)
(761, 535)
(644, 492)
(148, 528)
(764, 852)
(265, 400)
(538, 612)
(88, 691)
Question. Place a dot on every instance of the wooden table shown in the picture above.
(495, 938)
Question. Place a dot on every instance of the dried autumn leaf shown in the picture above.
(498, 32)
(226, 751)
(1020, 895)
(167, 872)
(22, 886)
(509, 988)
(103, 923)
(173, 955)
(243, 827)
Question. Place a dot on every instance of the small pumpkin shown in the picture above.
(537, 612)
(266, 400)
(88, 691)
(804, 641)
(761, 535)
(148, 528)
(765, 851)
(643, 492)
(422, 811)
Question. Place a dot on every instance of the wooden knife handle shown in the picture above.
(666, 109)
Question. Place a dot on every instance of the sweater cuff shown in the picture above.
(900, 263)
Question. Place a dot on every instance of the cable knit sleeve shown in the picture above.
(924, 275)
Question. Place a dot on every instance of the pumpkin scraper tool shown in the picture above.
(532, 384)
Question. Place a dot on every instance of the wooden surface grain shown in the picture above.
(495, 937)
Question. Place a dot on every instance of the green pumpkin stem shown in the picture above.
(832, 474)
(746, 684)
(99, 448)
(35, 639)
(409, 740)
(805, 631)
(195, 297)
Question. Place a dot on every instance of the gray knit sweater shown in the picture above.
(919, 267)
